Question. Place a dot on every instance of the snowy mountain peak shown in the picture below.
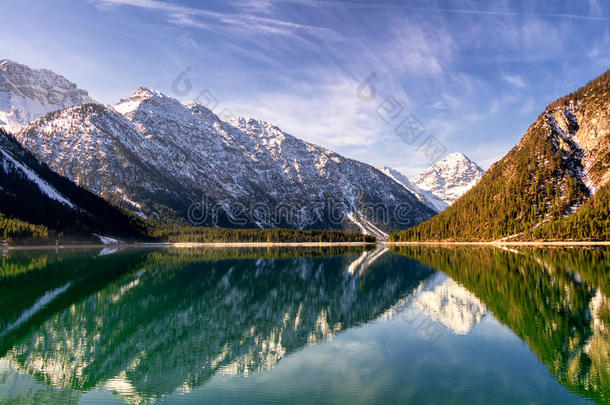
(152, 151)
(453, 161)
(146, 99)
(424, 196)
(456, 156)
(27, 94)
(450, 178)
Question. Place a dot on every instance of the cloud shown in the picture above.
(592, 16)
(204, 19)
(514, 80)
(327, 113)
(439, 105)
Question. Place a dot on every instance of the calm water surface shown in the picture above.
(329, 325)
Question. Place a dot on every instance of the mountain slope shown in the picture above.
(160, 158)
(37, 203)
(561, 161)
(27, 94)
(424, 196)
(590, 221)
(449, 178)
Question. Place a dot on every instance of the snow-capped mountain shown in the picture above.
(27, 94)
(424, 196)
(156, 156)
(449, 178)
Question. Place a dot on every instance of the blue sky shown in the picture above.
(475, 74)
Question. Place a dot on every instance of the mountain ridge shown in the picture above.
(27, 94)
(179, 161)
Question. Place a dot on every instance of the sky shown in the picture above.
(472, 75)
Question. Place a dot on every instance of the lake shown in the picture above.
(334, 325)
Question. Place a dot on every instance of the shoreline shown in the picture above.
(186, 245)
(503, 243)
(299, 244)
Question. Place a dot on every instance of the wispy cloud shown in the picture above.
(328, 113)
(209, 20)
(297, 63)
(514, 80)
(594, 16)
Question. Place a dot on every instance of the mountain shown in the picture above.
(171, 161)
(424, 196)
(542, 188)
(449, 178)
(442, 183)
(27, 94)
(39, 205)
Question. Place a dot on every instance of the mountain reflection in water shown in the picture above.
(169, 320)
(147, 323)
(555, 299)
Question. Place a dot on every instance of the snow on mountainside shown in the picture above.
(450, 178)
(27, 94)
(32, 193)
(424, 196)
(156, 156)
(11, 167)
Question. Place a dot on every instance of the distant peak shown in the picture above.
(457, 156)
(454, 159)
(146, 92)
(8, 62)
(140, 95)
(30, 93)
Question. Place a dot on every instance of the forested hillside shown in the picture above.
(533, 192)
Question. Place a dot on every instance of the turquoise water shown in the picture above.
(411, 325)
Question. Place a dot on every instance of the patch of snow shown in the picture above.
(366, 227)
(107, 240)
(45, 187)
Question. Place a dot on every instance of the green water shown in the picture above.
(311, 326)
